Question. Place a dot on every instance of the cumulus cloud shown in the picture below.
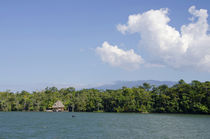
(189, 47)
(117, 57)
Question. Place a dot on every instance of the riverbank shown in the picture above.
(180, 98)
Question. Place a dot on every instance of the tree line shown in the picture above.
(183, 97)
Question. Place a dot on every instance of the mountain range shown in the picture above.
(130, 84)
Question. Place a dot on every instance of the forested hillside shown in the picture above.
(180, 98)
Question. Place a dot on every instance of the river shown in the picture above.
(43, 125)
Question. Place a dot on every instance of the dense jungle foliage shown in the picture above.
(180, 98)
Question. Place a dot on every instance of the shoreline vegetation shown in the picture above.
(192, 98)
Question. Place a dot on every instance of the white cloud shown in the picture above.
(189, 47)
(118, 57)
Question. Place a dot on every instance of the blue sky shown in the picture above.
(60, 43)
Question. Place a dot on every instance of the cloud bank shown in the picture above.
(118, 57)
(164, 45)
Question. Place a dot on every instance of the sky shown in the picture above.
(88, 43)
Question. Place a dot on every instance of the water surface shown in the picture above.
(42, 125)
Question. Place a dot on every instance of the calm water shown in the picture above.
(19, 125)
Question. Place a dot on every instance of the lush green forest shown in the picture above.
(180, 98)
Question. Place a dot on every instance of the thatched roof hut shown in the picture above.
(58, 106)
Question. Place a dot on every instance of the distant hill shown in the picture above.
(130, 84)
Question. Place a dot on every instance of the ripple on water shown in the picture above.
(20, 125)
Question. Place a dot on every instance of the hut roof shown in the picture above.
(58, 104)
